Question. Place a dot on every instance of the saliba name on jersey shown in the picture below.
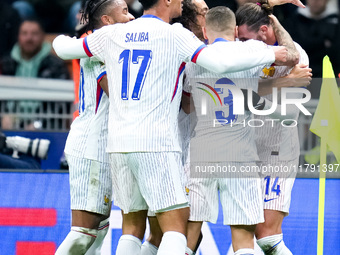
(137, 37)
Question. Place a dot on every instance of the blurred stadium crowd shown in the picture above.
(29, 27)
(316, 28)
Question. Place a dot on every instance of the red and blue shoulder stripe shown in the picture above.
(99, 90)
(86, 48)
(180, 71)
(197, 52)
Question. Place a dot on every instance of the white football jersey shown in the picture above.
(145, 59)
(215, 139)
(88, 134)
(277, 141)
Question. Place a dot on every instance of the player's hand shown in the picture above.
(280, 2)
(281, 54)
(300, 76)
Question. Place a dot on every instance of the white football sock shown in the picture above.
(173, 243)
(274, 245)
(245, 252)
(102, 231)
(129, 245)
(77, 242)
(148, 249)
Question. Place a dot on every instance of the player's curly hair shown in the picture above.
(92, 13)
(189, 16)
(254, 15)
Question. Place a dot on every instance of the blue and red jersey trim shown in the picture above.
(81, 91)
(180, 71)
(104, 226)
(99, 90)
(86, 48)
(197, 52)
(84, 233)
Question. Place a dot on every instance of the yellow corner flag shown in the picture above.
(326, 125)
(326, 120)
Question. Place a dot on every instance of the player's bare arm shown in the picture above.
(300, 71)
(280, 2)
(300, 76)
(187, 103)
(284, 39)
(211, 59)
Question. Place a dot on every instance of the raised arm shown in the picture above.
(284, 39)
(227, 61)
(69, 48)
(280, 2)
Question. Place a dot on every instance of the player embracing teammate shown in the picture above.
(277, 146)
(144, 61)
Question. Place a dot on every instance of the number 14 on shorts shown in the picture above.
(270, 189)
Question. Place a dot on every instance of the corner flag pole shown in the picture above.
(322, 188)
(326, 125)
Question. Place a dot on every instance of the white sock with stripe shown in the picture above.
(245, 252)
(172, 243)
(148, 249)
(96, 247)
(129, 245)
(77, 242)
(274, 245)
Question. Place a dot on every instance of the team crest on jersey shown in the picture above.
(268, 72)
(187, 190)
(106, 200)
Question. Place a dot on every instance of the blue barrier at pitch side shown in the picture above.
(47, 194)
